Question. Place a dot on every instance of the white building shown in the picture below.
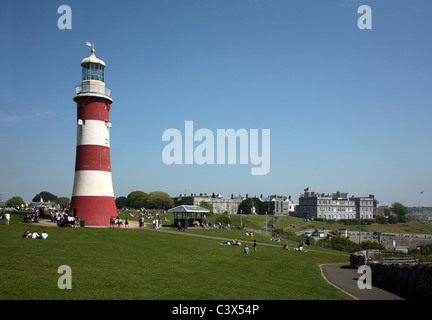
(335, 206)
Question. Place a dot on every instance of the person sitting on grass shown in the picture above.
(27, 234)
(300, 247)
(246, 249)
(35, 235)
(44, 235)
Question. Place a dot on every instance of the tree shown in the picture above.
(387, 212)
(159, 200)
(121, 201)
(206, 205)
(381, 220)
(392, 219)
(15, 202)
(402, 219)
(246, 206)
(137, 199)
(399, 209)
(63, 201)
(46, 196)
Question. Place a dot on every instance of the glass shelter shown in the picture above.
(186, 215)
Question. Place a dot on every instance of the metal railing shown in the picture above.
(93, 88)
(388, 257)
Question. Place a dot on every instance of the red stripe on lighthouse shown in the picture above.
(93, 108)
(93, 157)
(96, 211)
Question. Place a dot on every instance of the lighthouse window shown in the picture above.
(93, 71)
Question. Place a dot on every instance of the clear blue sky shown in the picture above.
(348, 109)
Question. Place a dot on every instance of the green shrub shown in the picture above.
(224, 219)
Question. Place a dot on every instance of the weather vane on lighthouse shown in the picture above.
(91, 45)
(93, 195)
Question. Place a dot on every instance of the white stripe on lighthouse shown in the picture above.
(93, 132)
(93, 183)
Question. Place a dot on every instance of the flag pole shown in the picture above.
(422, 193)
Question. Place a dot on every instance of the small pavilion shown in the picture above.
(187, 214)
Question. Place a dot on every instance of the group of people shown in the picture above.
(64, 219)
(157, 222)
(31, 217)
(299, 248)
(34, 235)
(235, 242)
(117, 221)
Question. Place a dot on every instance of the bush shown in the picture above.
(288, 233)
(342, 242)
(371, 245)
(224, 219)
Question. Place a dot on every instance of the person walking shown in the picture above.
(254, 245)
(7, 218)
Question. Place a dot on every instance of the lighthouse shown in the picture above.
(93, 194)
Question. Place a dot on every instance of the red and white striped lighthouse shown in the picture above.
(93, 195)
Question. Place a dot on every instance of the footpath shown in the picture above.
(345, 279)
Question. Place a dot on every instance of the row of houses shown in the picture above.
(337, 205)
(274, 205)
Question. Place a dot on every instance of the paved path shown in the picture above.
(345, 279)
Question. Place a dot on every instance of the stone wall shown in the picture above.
(420, 213)
(411, 241)
(410, 279)
(221, 205)
(415, 213)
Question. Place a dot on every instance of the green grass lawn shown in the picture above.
(143, 264)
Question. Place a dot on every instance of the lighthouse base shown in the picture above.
(95, 211)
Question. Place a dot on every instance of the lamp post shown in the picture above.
(359, 229)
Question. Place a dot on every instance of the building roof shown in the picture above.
(188, 208)
(42, 204)
(93, 59)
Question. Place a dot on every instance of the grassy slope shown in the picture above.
(141, 264)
